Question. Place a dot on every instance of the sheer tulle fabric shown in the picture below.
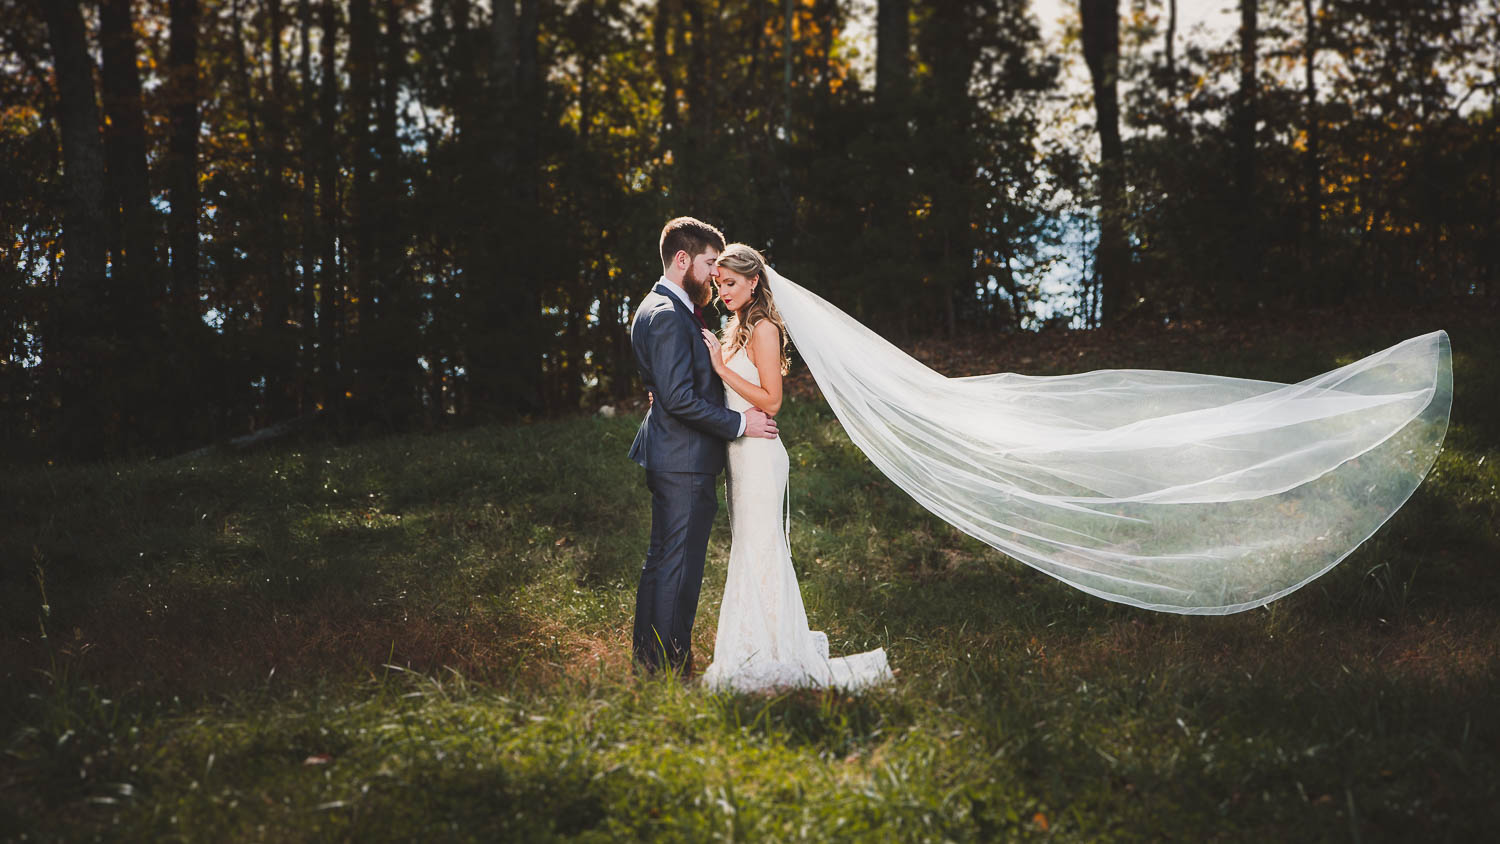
(1170, 491)
(763, 641)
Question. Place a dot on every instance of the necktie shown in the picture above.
(698, 315)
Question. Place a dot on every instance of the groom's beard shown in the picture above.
(698, 289)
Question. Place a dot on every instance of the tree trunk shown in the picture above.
(700, 95)
(308, 132)
(399, 310)
(892, 51)
(501, 278)
(281, 346)
(1313, 186)
(786, 220)
(948, 104)
(887, 225)
(788, 49)
(1101, 50)
(364, 284)
(263, 246)
(135, 282)
(79, 347)
(125, 149)
(330, 283)
(664, 71)
(504, 79)
(182, 158)
(526, 364)
(505, 35)
(757, 43)
(484, 113)
(1171, 54)
(1247, 260)
(588, 58)
(591, 287)
(1490, 282)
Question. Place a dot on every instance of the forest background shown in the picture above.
(218, 215)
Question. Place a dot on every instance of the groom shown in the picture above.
(681, 442)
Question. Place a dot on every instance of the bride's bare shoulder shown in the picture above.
(764, 334)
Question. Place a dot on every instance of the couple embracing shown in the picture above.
(714, 399)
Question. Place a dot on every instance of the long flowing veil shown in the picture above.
(1170, 491)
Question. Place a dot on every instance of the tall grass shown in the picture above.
(426, 637)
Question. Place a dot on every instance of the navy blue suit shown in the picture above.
(681, 445)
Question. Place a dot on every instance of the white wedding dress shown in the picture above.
(763, 641)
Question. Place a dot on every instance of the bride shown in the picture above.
(763, 640)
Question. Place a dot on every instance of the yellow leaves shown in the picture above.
(19, 115)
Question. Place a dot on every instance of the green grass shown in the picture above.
(425, 637)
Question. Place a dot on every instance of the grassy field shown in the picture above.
(425, 637)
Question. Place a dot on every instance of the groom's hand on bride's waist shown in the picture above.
(758, 424)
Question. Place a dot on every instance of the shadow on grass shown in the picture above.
(204, 576)
(835, 722)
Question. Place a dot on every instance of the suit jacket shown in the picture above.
(687, 426)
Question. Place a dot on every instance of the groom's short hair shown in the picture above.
(690, 235)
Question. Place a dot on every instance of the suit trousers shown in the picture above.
(683, 505)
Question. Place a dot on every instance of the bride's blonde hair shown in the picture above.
(746, 261)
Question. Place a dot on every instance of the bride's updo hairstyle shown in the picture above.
(746, 261)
